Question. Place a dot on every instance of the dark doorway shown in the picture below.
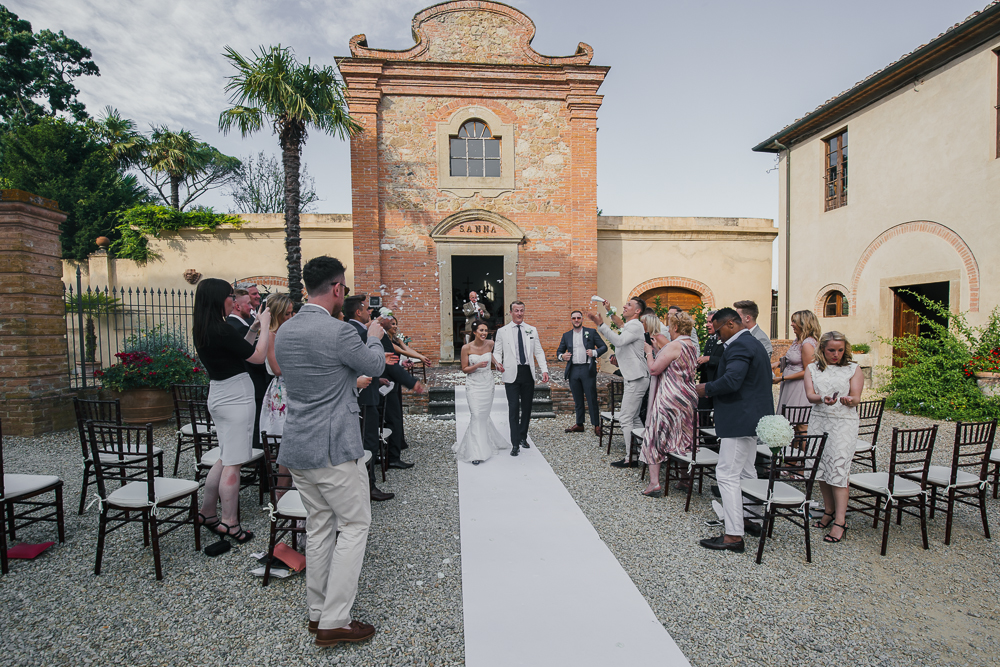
(484, 274)
(907, 310)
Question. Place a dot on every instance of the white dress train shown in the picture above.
(482, 439)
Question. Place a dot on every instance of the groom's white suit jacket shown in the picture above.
(506, 352)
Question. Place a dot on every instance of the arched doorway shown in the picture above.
(681, 297)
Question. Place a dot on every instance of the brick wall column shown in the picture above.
(34, 374)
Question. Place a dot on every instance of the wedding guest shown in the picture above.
(742, 394)
(629, 353)
(321, 358)
(473, 310)
(579, 348)
(273, 409)
(805, 324)
(241, 320)
(708, 362)
(833, 384)
(254, 293)
(670, 427)
(402, 348)
(230, 399)
(694, 331)
(392, 406)
(748, 314)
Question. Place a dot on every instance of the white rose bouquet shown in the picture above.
(776, 432)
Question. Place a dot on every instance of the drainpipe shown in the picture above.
(788, 229)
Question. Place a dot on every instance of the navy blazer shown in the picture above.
(742, 392)
(591, 341)
(368, 395)
(395, 372)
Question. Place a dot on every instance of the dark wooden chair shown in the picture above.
(609, 417)
(870, 415)
(965, 480)
(371, 412)
(160, 504)
(207, 451)
(20, 505)
(880, 492)
(787, 491)
(183, 394)
(106, 412)
(286, 507)
(700, 461)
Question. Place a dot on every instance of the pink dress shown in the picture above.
(670, 418)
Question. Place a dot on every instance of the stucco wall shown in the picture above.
(923, 197)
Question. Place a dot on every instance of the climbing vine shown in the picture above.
(138, 223)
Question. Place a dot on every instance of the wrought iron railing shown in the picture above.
(100, 322)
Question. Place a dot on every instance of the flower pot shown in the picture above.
(141, 406)
(987, 375)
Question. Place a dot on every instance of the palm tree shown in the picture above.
(127, 145)
(292, 96)
(178, 155)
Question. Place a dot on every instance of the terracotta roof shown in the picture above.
(947, 46)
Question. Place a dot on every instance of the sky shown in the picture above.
(693, 86)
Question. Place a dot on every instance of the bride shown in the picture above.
(482, 440)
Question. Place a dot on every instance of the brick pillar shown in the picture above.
(34, 374)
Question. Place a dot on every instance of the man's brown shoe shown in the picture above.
(313, 626)
(357, 632)
(598, 432)
(576, 428)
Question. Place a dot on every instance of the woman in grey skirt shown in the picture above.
(230, 399)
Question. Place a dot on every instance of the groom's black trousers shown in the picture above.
(520, 393)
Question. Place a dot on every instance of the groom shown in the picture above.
(517, 349)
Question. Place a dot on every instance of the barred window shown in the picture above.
(474, 152)
(836, 171)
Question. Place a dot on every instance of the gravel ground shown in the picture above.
(849, 606)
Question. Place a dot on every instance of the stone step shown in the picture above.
(441, 403)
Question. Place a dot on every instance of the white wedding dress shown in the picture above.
(482, 439)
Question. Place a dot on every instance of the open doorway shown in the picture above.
(484, 275)
(907, 310)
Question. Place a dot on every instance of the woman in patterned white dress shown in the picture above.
(833, 385)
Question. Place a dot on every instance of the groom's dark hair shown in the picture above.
(724, 315)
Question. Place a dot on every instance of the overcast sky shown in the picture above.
(694, 84)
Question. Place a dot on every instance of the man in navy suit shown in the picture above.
(580, 348)
(742, 395)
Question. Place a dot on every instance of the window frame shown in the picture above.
(842, 304)
(487, 160)
(466, 186)
(839, 197)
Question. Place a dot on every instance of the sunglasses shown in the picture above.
(347, 290)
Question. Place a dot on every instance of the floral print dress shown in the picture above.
(273, 409)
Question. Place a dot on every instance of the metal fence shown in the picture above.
(101, 321)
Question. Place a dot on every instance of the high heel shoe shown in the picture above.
(823, 526)
(830, 539)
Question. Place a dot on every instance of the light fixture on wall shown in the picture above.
(192, 276)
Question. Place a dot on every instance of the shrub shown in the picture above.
(138, 223)
(861, 348)
(153, 359)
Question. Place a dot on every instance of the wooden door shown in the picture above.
(672, 296)
(905, 322)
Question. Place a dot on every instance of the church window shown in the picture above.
(836, 305)
(836, 171)
(475, 152)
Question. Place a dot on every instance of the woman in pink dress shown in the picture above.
(793, 391)
(670, 419)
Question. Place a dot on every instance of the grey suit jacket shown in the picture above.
(321, 359)
(764, 339)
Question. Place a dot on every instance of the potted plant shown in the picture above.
(860, 353)
(92, 304)
(152, 360)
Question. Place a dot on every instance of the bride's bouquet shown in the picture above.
(776, 432)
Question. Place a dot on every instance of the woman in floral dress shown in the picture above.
(272, 411)
(670, 420)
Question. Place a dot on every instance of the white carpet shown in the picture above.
(539, 585)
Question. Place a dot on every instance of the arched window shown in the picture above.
(836, 305)
(474, 152)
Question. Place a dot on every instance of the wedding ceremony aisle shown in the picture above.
(539, 586)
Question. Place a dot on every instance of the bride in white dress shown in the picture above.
(481, 440)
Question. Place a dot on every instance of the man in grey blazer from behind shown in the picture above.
(321, 358)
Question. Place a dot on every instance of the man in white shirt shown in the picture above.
(748, 312)
(579, 348)
(630, 354)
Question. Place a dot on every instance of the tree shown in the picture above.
(172, 159)
(274, 87)
(127, 145)
(37, 72)
(64, 161)
(259, 186)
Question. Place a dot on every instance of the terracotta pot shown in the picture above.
(988, 375)
(141, 406)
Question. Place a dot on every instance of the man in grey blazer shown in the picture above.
(321, 358)
(749, 311)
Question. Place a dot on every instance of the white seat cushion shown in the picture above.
(709, 431)
(19, 485)
(995, 456)
(367, 457)
(209, 458)
(385, 433)
(188, 429)
(878, 482)
(608, 415)
(165, 489)
(706, 457)
(784, 494)
(290, 504)
(108, 458)
(862, 446)
(941, 476)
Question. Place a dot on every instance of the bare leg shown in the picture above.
(840, 496)
(211, 499)
(654, 478)
(229, 494)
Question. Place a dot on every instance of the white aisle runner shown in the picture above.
(539, 586)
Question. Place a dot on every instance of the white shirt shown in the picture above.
(735, 336)
(579, 350)
(316, 305)
(517, 349)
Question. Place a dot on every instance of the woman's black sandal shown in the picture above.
(240, 537)
(833, 540)
(203, 521)
(823, 526)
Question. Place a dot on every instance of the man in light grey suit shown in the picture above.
(321, 358)
(748, 312)
(631, 356)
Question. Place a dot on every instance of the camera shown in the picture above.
(375, 301)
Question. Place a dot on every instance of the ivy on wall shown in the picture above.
(138, 223)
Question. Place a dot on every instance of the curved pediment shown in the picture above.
(477, 225)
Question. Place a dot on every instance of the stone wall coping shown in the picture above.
(29, 198)
(624, 222)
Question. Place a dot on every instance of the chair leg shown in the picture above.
(145, 529)
(805, 523)
(177, 457)
(885, 527)
(982, 511)
(159, 465)
(934, 500)
(60, 522)
(86, 483)
(951, 514)
(101, 530)
(194, 520)
(874, 464)
(690, 485)
(4, 569)
(155, 530)
(923, 521)
(270, 552)
(768, 520)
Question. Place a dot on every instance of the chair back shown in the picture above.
(278, 483)
(99, 411)
(973, 446)
(122, 452)
(616, 389)
(797, 415)
(182, 394)
(870, 420)
(702, 419)
(911, 451)
(797, 463)
(201, 426)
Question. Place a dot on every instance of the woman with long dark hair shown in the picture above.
(230, 399)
